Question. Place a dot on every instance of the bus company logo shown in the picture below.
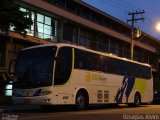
(88, 77)
(9, 117)
(94, 76)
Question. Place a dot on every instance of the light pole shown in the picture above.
(133, 19)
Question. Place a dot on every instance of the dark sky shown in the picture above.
(120, 9)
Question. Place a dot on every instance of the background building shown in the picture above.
(75, 22)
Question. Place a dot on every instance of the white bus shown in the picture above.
(63, 74)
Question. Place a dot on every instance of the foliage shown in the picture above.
(10, 15)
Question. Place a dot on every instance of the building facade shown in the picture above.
(75, 22)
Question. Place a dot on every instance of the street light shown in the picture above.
(158, 26)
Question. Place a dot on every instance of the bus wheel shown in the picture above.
(81, 101)
(137, 99)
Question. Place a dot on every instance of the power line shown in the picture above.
(114, 5)
(126, 5)
(129, 6)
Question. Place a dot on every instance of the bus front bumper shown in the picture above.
(38, 100)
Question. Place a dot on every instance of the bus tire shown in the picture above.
(81, 101)
(137, 99)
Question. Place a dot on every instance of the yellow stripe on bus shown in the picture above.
(140, 85)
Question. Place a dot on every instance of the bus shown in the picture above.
(64, 74)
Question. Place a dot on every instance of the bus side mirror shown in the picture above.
(12, 66)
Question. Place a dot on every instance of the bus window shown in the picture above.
(63, 66)
(83, 59)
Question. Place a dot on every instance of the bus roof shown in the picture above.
(86, 49)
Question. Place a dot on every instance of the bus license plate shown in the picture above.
(27, 101)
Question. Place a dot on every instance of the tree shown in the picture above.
(10, 15)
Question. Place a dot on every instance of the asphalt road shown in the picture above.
(144, 112)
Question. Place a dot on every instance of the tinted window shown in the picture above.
(91, 61)
(34, 67)
(63, 65)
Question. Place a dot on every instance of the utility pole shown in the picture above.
(132, 34)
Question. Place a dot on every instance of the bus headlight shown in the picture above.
(8, 90)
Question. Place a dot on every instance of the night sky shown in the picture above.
(121, 8)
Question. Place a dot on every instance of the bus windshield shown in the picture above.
(34, 67)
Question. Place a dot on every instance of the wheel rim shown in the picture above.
(80, 101)
(137, 100)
